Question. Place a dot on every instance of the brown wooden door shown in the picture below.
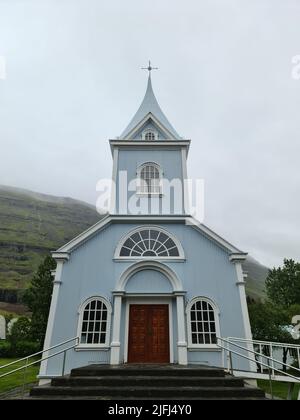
(148, 334)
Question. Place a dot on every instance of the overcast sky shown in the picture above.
(73, 81)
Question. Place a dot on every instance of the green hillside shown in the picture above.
(31, 225)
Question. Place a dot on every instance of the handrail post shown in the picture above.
(270, 380)
(230, 361)
(24, 378)
(64, 363)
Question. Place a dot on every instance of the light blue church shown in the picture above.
(147, 283)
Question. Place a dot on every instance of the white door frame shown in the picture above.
(148, 301)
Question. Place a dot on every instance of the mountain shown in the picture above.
(32, 225)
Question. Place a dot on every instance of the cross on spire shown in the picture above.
(149, 68)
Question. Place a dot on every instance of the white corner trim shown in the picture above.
(184, 180)
(243, 299)
(153, 227)
(52, 313)
(113, 199)
(152, 265)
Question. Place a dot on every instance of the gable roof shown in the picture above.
(62, 252)
(149, 105)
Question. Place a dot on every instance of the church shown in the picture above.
(148, 283)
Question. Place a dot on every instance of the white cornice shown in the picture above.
(116, 143)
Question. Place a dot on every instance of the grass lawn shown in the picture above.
(280, 389)
(16, 379)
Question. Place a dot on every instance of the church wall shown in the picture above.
(91, 271)
(170, 161)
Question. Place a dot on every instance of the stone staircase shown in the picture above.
(134, 382)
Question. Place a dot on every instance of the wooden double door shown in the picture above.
(148, 340)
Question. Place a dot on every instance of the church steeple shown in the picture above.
(150, 108)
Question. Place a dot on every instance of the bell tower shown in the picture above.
(149, 163)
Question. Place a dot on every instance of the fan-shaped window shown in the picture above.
(149, 242)
(94, 323)
(149, 179)
(203, 323)
(150, 135)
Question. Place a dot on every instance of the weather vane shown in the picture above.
(149, 68)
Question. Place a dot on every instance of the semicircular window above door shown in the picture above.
(150, 242)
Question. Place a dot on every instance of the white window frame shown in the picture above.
(117, 256)
(191, 345)
(87, 346)
(149, 130)
(139, 172)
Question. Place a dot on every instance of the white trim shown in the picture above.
(80, 320)
(113, 200)
(238, 257)
(181, 331)
(61, 256)
(154, 227)
(52, 313)
(243, 299)
(144, 265)
(148, 116)
(185, 197)
(188, 220)
(116, 344)
(160, 143)
(189, 329)
(148, 301)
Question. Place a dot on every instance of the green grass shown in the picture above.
(15, 380)
(280, 389)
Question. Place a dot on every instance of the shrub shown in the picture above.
(25, 348)
(5, 349)
(20, 331)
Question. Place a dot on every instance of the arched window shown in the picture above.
(149, 179)
(149, 242)
(150, 135)
(94, 323)
(203, 323)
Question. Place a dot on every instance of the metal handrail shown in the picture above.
(39, 352)
(262, 355)
(270, 343)
(230, 351)
(64, 351)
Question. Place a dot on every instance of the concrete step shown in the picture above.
(165, 392)
(81, 381)
(148, 370)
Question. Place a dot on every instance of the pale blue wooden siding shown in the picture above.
(92, 271)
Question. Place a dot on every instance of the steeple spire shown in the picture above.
(150, 106)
